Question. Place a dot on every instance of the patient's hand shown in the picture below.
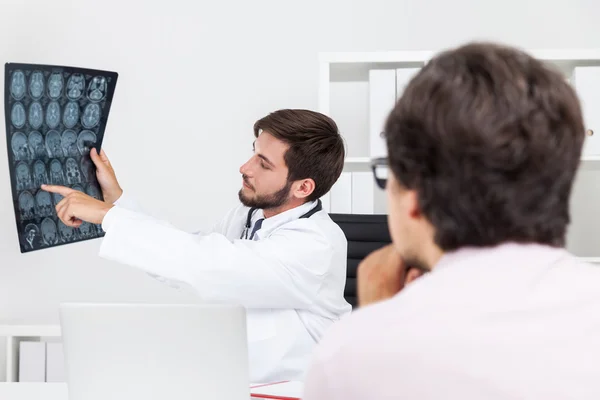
(382, 275)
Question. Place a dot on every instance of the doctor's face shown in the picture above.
(264, 175)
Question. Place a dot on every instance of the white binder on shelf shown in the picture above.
(403, 77)
(382, 98)
(363, 186)
(341, 194)
(32, 361)
(586, 81)
(55, 363)
(326, 202)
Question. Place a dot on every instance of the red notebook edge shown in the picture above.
(269, 396)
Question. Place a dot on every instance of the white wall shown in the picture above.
(194, 76)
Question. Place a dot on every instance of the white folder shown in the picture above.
(341, 194)
(326, 202)
(382, 98)
(363, 186)
(587, 85)
(55, 363)
(32, 361)
(403, 77)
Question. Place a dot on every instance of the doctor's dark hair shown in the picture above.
(316, 149)
(490, 139)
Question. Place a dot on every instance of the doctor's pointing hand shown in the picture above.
(77, 206)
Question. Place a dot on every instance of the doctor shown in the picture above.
(278, 253)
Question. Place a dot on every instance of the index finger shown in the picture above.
(62, 190)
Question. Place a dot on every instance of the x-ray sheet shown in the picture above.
(54, 116)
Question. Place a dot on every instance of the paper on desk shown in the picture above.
(288, 390)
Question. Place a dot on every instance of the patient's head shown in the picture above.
(483, 148)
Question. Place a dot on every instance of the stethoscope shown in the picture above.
(251, 212)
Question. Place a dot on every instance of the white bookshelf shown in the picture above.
(345, 76)
(344, 90)
(15, 334)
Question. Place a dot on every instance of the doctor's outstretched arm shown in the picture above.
(282, 271)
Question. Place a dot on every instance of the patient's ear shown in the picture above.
(412, 274)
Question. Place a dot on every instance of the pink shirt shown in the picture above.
(511, 322)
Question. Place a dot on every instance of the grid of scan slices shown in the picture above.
(55, 118)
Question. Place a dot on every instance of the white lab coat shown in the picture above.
(290, 278)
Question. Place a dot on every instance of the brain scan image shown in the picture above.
(36, 115)
(56, 198)
(54, 116)
(54, 145)
(23, 176)
(71, 115)
(36, 84)
(37, 148)
(97, 88)
(43, 202)
(85, 141)
(20, 146)
(93, 191)
(26, 205)
(91, 115)
(31, 236)
(57, 177)
(72, 172)
(55, 85)
(86, 230)
(40, 175)
(66, 233)
(87, 169)
(69, 143)
(17, 85)
(18, 115)
(49, 232)
(75, 86)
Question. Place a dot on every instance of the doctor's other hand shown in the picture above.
(77, 206)
(382, 274)
(111, 190)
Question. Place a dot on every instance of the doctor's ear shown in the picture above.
(303, 188)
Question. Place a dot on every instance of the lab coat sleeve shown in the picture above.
(285, 270)
(128, 202)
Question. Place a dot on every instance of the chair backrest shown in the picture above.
(365, 234)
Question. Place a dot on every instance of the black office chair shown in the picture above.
(365, 234)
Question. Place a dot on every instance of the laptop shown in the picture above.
(152, 352)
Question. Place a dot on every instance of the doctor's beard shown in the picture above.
(269, 201)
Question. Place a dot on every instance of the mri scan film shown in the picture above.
(54, 115)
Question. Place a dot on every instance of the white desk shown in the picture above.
(58, 391)
(33, 391)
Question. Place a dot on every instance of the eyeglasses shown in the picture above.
(380, 171)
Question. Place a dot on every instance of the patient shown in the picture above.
(483, 149)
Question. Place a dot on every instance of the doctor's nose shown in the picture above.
(245, 168)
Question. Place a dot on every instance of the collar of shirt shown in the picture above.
(505, 255)
(487, 274)
(274, 222)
